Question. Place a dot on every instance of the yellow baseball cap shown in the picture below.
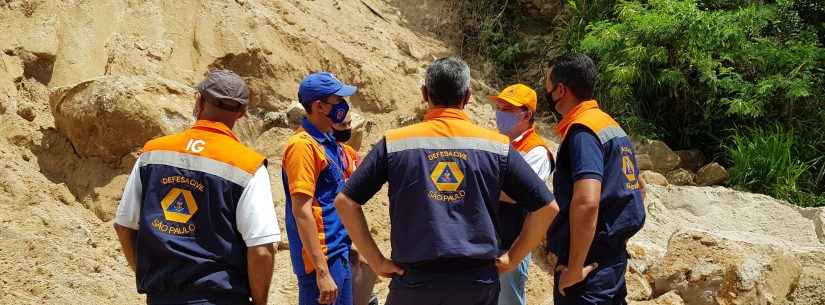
(518, 95)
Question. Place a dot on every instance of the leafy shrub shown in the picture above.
(697, 74)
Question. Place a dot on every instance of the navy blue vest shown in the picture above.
(188, 247)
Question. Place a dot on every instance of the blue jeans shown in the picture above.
(339, 268)
(512, 284)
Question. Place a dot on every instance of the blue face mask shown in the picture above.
(506, 121)
(338, 112)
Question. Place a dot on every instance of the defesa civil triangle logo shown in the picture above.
(178, 205)
(447, 176)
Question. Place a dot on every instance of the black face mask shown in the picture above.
(342, 136)
(553, 102)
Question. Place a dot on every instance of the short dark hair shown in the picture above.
(577, 72)
(447, 81)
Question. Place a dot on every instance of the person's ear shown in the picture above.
(562, 91)
(316, 107)
(424, 94)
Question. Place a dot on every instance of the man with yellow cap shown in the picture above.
(515, 117)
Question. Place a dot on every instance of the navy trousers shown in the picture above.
(604, 286)
(472, 287)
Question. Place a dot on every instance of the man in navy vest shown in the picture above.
(445, 178)
(197, 222)
(599, 191)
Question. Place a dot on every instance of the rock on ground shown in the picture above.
(109, 117)
(670, 298)
(711, 174)
(638, 288)
(644, 162)
(663, 158)
(681, 177)
(809, 290)
(692, 159)
(706, 268)
(652, 177)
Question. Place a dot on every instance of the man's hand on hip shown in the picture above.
(503, 263)
(387, 268)
(570, 277)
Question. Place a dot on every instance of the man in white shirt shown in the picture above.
(516, 109)
(196, 221)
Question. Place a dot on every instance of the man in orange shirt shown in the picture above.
(313, 175)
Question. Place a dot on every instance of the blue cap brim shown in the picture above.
(346, 90)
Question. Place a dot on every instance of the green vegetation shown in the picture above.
(707, 74)
(694, 73)
(514, 36)
(766, 163)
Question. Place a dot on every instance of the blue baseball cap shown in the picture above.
(319, 85)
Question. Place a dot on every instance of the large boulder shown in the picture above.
(111, 116)
(294, 113)
(360, 127)
(644, 162)
(681, 177)
(651, 177)
(692, 159)
(638, 288)
(670, 298)
(642, 256)
(712, 269)
(809, 290)
(663, 158)
(711, 174)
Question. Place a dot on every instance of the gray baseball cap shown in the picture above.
(224, 86)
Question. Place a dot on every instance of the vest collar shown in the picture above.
(446, 113)
(564, 125)
(216, 127)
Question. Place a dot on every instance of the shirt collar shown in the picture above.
(524, 135)
(319, 136)
(216, 127)
(446, 113)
